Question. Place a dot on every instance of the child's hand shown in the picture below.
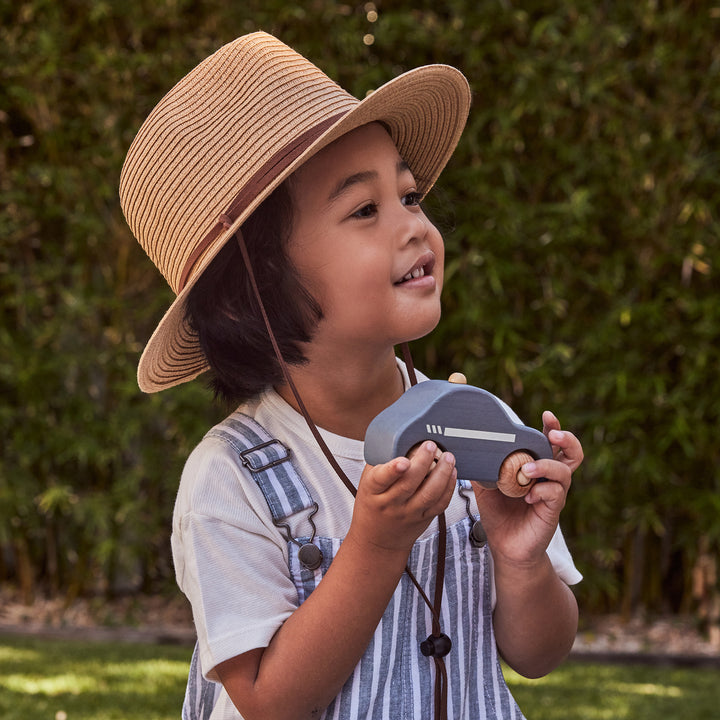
(520, 529)
(396, 501)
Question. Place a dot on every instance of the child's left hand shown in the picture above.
(520, 529)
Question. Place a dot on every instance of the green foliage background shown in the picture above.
(580, 214)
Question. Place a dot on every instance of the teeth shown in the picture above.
(419, 272)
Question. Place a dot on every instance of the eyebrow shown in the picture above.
(366, 176)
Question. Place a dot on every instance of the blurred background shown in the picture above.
(581, 218)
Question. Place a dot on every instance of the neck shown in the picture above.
(343, 397)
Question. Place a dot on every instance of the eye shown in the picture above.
(366, 211)
(412, 198)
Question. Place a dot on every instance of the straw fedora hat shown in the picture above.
(227, 134)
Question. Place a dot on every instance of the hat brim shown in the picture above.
(424, 110)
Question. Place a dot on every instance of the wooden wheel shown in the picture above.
(511, 480)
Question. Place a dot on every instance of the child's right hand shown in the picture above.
(396, 501)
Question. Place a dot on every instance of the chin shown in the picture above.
(422, 329)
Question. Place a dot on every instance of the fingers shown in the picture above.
(434, 493)
(554, 490)
(430, 479)
(385, 475)
(425, 480)
(550, 422)
(423, 459)
(429, 446)
(547, 469)
(566, 447)
(567, 456)
(548, 500)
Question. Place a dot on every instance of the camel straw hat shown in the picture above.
(227, 134)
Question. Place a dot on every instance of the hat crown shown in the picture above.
(210, 135)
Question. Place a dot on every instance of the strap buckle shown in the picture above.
(247, 461)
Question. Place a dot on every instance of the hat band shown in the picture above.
(260, 180)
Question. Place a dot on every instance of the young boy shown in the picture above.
(286, 216)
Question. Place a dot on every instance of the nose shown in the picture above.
(412, 223)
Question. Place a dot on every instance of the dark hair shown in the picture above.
(223, 310)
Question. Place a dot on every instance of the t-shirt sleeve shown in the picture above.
(561, 559)
(230, 561)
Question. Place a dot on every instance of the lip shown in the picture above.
(425, 261)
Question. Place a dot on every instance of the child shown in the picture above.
(286, 216)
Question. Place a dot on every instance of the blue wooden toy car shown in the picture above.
(477, 427)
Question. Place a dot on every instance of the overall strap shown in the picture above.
(270, 464)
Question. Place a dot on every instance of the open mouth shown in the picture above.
(423, 267)
(418, 272)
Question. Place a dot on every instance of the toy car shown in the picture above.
(488, 440)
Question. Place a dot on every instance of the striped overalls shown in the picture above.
(393, 680)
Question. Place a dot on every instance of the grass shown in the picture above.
(72, 680)
(59, 679)
(582, 691)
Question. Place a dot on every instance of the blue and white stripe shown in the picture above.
(393, 680)
(200, 694)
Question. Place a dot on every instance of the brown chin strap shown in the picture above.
(437, 644)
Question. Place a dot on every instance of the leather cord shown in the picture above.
(437, 635)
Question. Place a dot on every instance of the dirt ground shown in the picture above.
(154, 618)
(168, 619)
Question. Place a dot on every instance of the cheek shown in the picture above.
(438, 247)
(356, 287)
(311, 262)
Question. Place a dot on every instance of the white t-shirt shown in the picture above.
(231, 561)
